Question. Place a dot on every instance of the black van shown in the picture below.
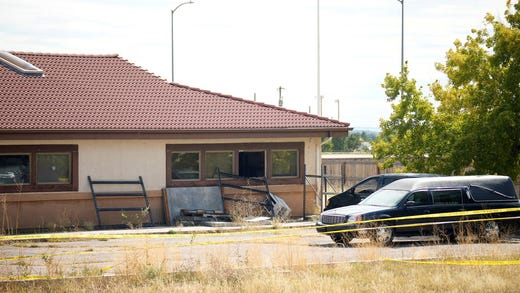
(366, 187)
(425, 206)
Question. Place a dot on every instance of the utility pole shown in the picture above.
(337, 101)
(402, 35)
(172, 12)
(280, 98)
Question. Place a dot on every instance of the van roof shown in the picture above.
(406, 175)
(502, 184)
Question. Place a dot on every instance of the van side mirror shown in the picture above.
(409, 203)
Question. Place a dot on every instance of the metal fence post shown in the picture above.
(304, 188)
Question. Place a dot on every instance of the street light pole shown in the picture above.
(172, 12)
(337, 101)
(318, 96)
(402, 35)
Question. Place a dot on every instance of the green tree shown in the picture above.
(406, 136)
(351, 143)
(475, 127)
(341, 144)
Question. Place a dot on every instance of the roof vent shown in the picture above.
(18, 64)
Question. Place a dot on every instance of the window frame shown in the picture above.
(235, 148)
(420, 204)
(38, 178)
(30, 158)
(218, 151)
(435, 196)
(297, 167)
(33, 151)
(199, 165)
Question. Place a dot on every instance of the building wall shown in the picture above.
(125, 160)
(64, 210)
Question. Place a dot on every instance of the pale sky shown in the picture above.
(245, 48)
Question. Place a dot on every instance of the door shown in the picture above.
(417, 204)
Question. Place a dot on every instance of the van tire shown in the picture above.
(383, 235)
(490, 232)
(341, 238)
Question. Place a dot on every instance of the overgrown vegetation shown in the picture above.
(289, 265)
(472, 125)
(379, 276)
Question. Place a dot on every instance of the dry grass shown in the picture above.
(287, 265)
(242, 209)
(288, 268)
(378, 276)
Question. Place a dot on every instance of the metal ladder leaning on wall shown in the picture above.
(141, 193)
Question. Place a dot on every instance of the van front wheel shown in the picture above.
(383, 235)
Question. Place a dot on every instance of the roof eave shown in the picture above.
(53, 134)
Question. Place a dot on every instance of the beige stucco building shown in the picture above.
(67, 117)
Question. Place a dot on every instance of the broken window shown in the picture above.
(251, 163)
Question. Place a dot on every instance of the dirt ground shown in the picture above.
(114, 252)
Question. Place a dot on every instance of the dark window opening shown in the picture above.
(15, 169)
(251, 164)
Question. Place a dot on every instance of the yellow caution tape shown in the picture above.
(462, 262)
(182, 234)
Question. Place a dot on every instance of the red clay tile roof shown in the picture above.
(108, 93)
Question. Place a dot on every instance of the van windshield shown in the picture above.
(385, 198)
